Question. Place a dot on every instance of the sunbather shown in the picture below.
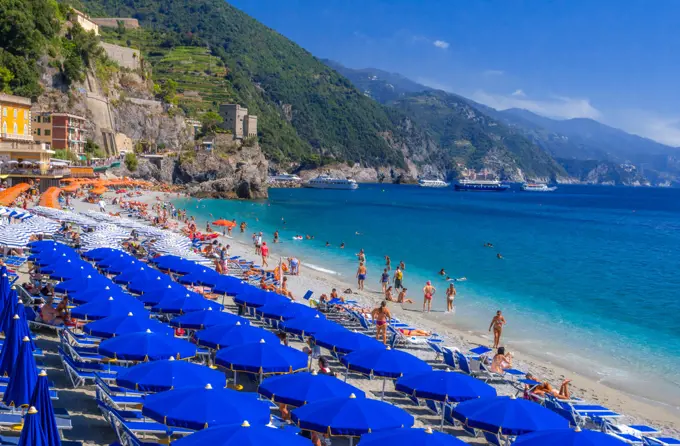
(544, 388)
(415, 332)
(51, 315)
(285, 413)
(501, 361)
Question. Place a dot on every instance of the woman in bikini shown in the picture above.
(545, 388)
(402, 297)
(388, 294)
(428, 294)
(501, 361)
(450, 296)
(497, 324)
(381, 316)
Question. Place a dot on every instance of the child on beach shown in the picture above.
(388, 294)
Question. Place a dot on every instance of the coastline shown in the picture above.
(637, 407)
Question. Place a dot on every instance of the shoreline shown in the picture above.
(636, 407)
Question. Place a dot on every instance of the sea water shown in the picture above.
(589, 276)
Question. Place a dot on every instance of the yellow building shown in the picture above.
(15, 118)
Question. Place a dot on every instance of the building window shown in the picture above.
(26, 129)
(37, 132)
(48, 132)
(15, 129)
(4, 111)
(16, 113)
(25, 114)
(47, 119)
(4, 127)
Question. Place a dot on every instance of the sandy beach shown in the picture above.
(90, 427)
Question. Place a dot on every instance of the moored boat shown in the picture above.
(328, 182)
(480, 186)
(432, 183)
(537, 187)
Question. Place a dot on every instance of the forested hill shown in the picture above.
(306, 111)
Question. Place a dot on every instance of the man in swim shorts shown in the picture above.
(428, 294)
(361, 275)
(398, 277)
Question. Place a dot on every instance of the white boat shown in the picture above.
(432, 183)
(328, 182)
(480, 185)
(537, 187)
(285, 178)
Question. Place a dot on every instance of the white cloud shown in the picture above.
(519, 92)
(441, 44)
(559, 107)
(490, 73)
(649, 124)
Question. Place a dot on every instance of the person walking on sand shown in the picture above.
(497, 324)
(428, 294)
(450, 296)
(381, 316)
(398, 277)
(102, 206)
(361, 275)
(265, 253)
(384, 278)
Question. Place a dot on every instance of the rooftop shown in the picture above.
(14, 99)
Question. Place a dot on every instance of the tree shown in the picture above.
(6, 77)
(210, 120)
(131, 162)
(65, 155)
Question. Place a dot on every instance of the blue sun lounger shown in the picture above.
(125, 428)
(117, 397)
(83, 373)
(660, 441)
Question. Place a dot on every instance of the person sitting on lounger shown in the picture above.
(284, 289)
(501, 361)
(324, 368)
(544, 388)
(51, 315)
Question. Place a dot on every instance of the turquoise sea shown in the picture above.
(590, 276)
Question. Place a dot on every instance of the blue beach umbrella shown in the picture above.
(308, 326)
(82, 284)
(96, 293)
(255, 297)
(411, 437)
(68, 270)
(31, 433)
(286, 310)
(113, 326)
(123, 266)
(168, 374)
(224, 336)
(195, 408)
(114, 259)
(198, 320)
(204, 277)
(444, 385)
(43, 404)
(263, 358)
(568, 437)
(508, 416)
(24, 329)
(345, 341)
(23, 378)
(9, 310)
(176, 264)
(298, 389)
(159, 291)
(54, 257)
(11, 346)
(102, 253)
(42, 245)
(149, 283)
(186, 303)
(230, 286)
(135, 272)
(108, 306)
(350, 416)
(242, 435)
(146, 346)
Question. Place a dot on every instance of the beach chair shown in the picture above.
(493, 439)
(628, 433)
(433, 406)
(660, 441)
(436, 347)
(128, 432)
(465, 366)
(579, 414)
(117, 397)
(399, 338)
(34, 320)
(449, 358)
(83, 373)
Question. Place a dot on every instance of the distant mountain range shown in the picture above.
(586, 149)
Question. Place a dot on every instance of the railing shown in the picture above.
(34, 171)
(16, 136)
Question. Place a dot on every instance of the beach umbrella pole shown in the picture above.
(441, 426)
(382, 395)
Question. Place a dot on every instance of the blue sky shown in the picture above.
(614, 61)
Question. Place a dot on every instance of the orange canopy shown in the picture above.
(226, 223)
(71, 188)
(50, 198)
(8, 196)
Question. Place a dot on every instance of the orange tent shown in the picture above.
(50, 198)
(98, 190)
(8, 196)
(226, 223)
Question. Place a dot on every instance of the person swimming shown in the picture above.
(488, 245)
(342, 245)
(499, 256)
(442, 272)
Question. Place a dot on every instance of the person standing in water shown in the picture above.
(265, 253)
(428, 294)
(497, 324)
(402, 265)
(361, 275)
(388, 263)
(450, 296)
(384, 278)
(362, 256)
(381, 316)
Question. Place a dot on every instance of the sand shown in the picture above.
(90, 427)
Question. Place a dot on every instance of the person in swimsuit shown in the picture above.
(442, 272)
(388, 263)
(361, 275)
(276, 236)
(384, 279)
(264, 250)
(497, 324)
(342, 245)
(388, 294)
(450, 296)
(402, 265)
(398, 277)
(428, 294)
(414, 332)
(381, 316)
(402, 297)
(362, 256)
(545, 388)
(501, 361)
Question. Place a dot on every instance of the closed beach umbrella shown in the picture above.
(23, 377)
(198, 320)
(345, 341)
(350, 416)
(308, 326)
(146, 346)
(195, 408)
(298, 389)
(263, 358)
(444, 385)
(113, 326)
(168, 374)
(286, 310)
(411, 437)
(4, 287)
(507, 416)
(11, 346)
(31, 433)
(230, 286)
(187, 303)
(9, 311)
(568, 437)
(108, 306)
(224, 336)
(256, 297)
(43, 404)
(242, 435)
